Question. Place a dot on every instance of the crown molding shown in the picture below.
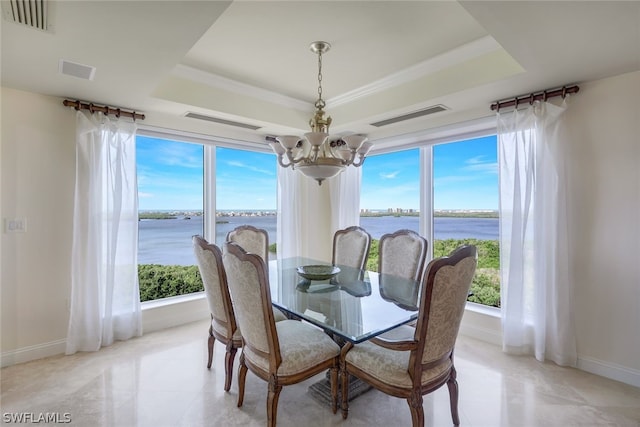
(453, 57)
(239, 88)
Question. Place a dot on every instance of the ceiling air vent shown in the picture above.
(74, 69)
(32, 13)
(221, 121)
(425, 111)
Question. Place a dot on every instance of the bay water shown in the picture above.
(168, 241)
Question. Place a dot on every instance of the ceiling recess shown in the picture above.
(32, 13)
(425, 111)
(221, 121)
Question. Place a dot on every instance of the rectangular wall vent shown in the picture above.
(32, 13)
(425, 111)
(74, 69)
(221, 121)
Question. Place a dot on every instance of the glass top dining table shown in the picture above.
(354, 305)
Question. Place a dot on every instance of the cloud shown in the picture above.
(478, 164)
(237, 164)
(389, 175)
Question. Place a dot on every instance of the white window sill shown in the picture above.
(483, 309)
(163, 302)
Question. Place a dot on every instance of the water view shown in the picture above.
(168, 241)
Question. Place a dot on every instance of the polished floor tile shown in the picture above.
(161, 379)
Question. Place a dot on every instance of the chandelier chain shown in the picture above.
(319, 76)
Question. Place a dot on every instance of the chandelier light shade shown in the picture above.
(317, 154)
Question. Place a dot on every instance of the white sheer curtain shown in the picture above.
(537, 312)
(105, 298)
(344, 193)
(289, 214)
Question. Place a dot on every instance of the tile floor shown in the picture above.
(161, 379)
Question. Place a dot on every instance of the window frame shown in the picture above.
(209, 144)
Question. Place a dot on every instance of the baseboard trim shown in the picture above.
(32, 352)
(610, 370)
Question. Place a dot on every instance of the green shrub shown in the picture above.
(162, 281)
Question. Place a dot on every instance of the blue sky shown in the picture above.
(465, 177)
(170, 177)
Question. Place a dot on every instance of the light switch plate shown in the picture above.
(15, 225)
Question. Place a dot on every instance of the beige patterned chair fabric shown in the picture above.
(256, 241)
(402, 254)
(410, 368)
(280, 353)
(223, 323)
(351, 247)
(251, 239)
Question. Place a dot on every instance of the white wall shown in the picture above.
(37, 179)
(38, 173)
(604, 185)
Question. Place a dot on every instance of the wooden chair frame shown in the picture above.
(275, 381)
(417, 345)
(230, 321)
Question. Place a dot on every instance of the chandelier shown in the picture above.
(317, 155)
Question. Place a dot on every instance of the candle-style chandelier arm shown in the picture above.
(362, 153)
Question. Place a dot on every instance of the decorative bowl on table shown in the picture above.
(318, 272)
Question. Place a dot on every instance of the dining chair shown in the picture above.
(410, 368)
(253, 240)
(223, 325)
(402, 254)
(351, 247)
(282, 353)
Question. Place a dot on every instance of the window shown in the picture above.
(464, 179)
(246, 186)
(173, 206)
(170, 206)
(465, 193)
(390, 196)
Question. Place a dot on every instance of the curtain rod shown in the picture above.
(102, 108)
(534, 96)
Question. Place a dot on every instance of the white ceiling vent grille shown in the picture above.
(74, 69)
(221, 121)
(425, 111)
(32, 13)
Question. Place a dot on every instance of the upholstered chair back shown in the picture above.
(443, 299)
(253, 240)
(402, 254)
(351, 247)
(252, 302)
(209, 259)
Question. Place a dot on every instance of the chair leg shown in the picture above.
(452, 384)
(210, 345)
(345, 393)
(242, 376)
(272, 401)
(228, 365)
(417, 413)
(334, 389)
